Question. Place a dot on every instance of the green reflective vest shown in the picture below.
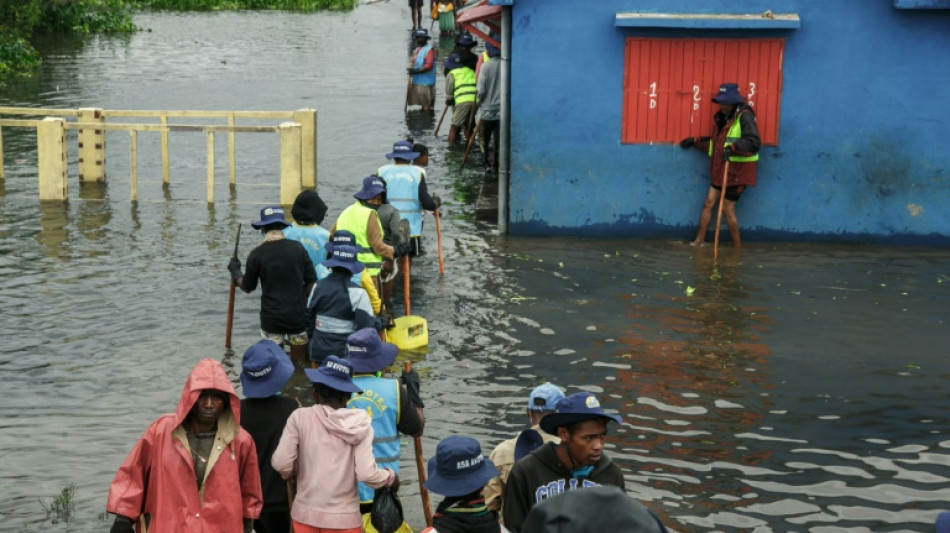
(733, 135)
(355, 220)
(464, 85)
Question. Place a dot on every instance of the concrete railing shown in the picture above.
(298, 144)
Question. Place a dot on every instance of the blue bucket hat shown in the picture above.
(549, 393)
(575, 408)
(265, 369)
(335, 373)
(367, 352)
(459, 468)
(421, 32)
(272, 214)
(344, 256)
(341, 237)
(728, 94)
(465, 39)
(402, 150)
(452, 62)
(372, 186)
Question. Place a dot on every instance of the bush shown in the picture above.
(214, 5)
(17, 57)
(86, 16)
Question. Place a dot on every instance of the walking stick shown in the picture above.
(405, 283)
(142, 527)
(439, 125)
(408, 89)
(471, 139)
(227, 336)
(421, 470)
(722, 199)
(438, 234)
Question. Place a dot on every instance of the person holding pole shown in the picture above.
(406, 190)
(394, 405)
(422, 72)
(460, 93)
(459, 471)
(733, 147)
(286, 274)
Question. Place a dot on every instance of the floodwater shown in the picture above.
(791, 387)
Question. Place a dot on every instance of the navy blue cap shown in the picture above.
(459, 468)
(367, 352)
(273, 214)
(335, 373)
(575, 408)
(265, 369)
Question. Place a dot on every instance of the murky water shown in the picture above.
(793, 388)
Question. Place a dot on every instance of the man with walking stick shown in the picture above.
(733, 148)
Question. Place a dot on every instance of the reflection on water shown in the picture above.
(788, 388)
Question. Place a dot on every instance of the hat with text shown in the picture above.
(335, 373)
(346, 257)
(367, 352)
(544, 397)
(421, 32)
(272, 214)
(402, 150)
(459, 468)
(575, 408)
(465, 39)
(728, 94)
(265, 369)
(372, 187)
(341, 237)
(451, 63)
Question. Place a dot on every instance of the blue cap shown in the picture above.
(346, 257)
(273, 214)
(421, 32)
(367, 352)
(402, 150)
(452, 62)
(372, 187)
(465, 39)
(265, 369)
(335, 373)
(549, 393)
(575, 408)
(459, 468)
(528, 441)
(728, 94)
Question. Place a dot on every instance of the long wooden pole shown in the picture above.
(471, 139)
(439, 125)
(722, 199)
(408, 89)
(227, 336)
(417, 441)
(438, 234)
(406, 266)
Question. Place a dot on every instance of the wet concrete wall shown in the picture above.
(864, 108)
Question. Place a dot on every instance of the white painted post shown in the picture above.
(307, 118)
(210, 166)
(92, 146)
(290, 170)
(51, 150)
(134, 165)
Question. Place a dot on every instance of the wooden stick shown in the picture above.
(439, 125)
(227, 335)
(471, 139)
(408, 89)
(438, 234)
(722, 199)
(405, 283)
(421, 470)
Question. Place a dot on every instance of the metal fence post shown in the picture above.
(92, 146)
(290, 169)
(307, 118)
(51, 151)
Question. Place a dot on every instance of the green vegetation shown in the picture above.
(214, 5)
(63, 506)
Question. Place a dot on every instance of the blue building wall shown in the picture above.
(861, 154)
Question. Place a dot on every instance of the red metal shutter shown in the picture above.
(668, 84)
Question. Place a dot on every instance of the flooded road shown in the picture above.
(789, 388)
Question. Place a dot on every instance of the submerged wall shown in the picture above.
(865, 105)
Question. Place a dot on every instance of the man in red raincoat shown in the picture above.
(194, 470)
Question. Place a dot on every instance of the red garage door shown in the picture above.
(668, 83)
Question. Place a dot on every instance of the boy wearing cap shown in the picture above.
(577, 462)
(286, 274)
(308, 212)
(338, 306)
(265, 369)
(735, 140)
(422, 72)
(459, 471)
(541, 402)
(394, 407)
(406, 190)
(328, 448)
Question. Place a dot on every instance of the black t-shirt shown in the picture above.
(284, 269)
(264, 419)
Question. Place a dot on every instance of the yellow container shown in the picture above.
(410, 332)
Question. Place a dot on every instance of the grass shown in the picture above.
(62, 507)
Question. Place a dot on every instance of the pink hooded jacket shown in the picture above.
(158, 476)
(328, 450)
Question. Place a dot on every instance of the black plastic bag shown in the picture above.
(386, 515)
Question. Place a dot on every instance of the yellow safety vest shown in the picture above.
(733, 135)
(464, 85)
(355, 219)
